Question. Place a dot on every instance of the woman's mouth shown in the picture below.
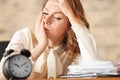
(46, 29)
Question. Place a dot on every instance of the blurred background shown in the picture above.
(103, 16)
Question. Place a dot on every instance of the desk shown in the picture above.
(100, 78)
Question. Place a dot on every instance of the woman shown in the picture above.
(60, 38)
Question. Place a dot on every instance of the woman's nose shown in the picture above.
(47, 19)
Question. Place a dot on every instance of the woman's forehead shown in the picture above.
(53, 0)
(52, 5)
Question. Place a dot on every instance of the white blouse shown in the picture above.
(22, 39)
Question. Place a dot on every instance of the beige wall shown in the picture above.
(103, 16)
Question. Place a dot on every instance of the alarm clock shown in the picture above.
(17, 66)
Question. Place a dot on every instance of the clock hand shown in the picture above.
(23, 64)
(17, 65)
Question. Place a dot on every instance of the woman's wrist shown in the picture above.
(37, 51)
(73, 19)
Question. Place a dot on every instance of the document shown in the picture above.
(93, 69)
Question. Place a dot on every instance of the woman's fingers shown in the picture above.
(65, 7)
(39, 19)
(40, 31)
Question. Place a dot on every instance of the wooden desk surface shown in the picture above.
(100, 78)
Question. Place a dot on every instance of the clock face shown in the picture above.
(20, 66)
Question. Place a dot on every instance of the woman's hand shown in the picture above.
(39, 32)
(66, 9)
(42, 40)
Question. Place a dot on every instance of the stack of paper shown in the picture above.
(93, 69)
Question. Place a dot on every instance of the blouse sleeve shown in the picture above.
(22, 39)
(86, 43)
(17, 42)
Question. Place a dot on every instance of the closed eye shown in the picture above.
(58, 18)
(45, 13)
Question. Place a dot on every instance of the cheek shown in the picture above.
(61, 27)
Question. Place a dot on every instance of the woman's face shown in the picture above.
(56, 23)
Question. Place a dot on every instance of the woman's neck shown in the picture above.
(53, 44)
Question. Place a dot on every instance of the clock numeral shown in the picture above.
(26, 66)
(18, 58)
(19, 74)
(15, 73)
(15, 59)
(12, 70)
(26, 70)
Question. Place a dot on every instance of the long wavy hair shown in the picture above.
(70, 39)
